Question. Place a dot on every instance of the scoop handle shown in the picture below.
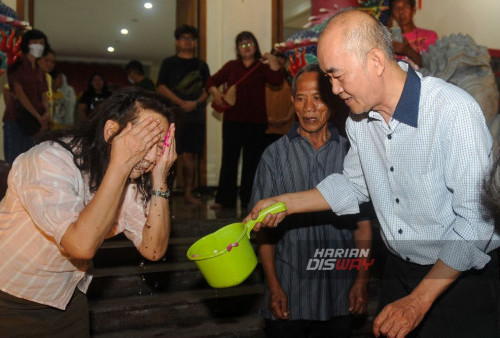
(272, 209)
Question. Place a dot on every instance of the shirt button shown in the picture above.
(400, 231)
(392, 169)
(408, 259)
(397, 200)
(389, 136)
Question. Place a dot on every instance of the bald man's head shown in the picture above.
(358, 32)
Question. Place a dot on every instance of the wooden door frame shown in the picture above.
(202, 52)
(277, 21)
(20, 9)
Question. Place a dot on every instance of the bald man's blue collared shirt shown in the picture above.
(423, 172)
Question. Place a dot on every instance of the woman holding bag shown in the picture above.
(245, 122)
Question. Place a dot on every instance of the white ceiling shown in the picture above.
(83, 29)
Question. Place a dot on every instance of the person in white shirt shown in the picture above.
(420, 149)
(70, 192)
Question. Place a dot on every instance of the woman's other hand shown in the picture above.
(166, 158)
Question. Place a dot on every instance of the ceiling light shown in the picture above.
(148, 5)
(111, 49)
(124, 31)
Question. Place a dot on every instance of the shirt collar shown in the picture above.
(334, 134)
(407, 108)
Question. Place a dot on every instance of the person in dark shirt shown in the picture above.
(182, 79)
(97, 91)
(244, 125)
(135, 73)
(27, 110)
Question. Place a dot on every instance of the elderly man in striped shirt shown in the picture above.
(317, 267)
(420, 150)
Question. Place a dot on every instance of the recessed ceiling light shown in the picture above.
(111, 49)
(148, 5)
(124, 31)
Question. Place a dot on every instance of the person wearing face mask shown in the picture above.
(136, 76)
(27, 110)
(70, 192)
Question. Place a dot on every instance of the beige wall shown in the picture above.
(478, 19)
(225, 19)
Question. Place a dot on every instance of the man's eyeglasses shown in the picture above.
(246, 44)
(186, 38)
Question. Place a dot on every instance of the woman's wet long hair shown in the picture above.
(91, 152)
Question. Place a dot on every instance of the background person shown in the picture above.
(66, 195)
(412, 155)
(64, 99)
(46, 64)
(97, 91)
(135, 74)
(280, 113)
(415, 40)
(182, 79)
(244, 125)
(27, 110)
(300, 301)
(69, 99)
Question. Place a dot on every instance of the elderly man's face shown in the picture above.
(351, 79)
(312, 112)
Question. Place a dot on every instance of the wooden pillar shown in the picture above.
(202, 52)
(277, 21)
(21, 8)
(187, 12)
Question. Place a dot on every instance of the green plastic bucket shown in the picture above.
(226, 257)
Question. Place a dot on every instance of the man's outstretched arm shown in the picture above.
(297, 202)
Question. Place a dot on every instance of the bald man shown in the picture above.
(419, 150)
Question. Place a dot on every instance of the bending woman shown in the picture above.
(69, 193)
(244, 125)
